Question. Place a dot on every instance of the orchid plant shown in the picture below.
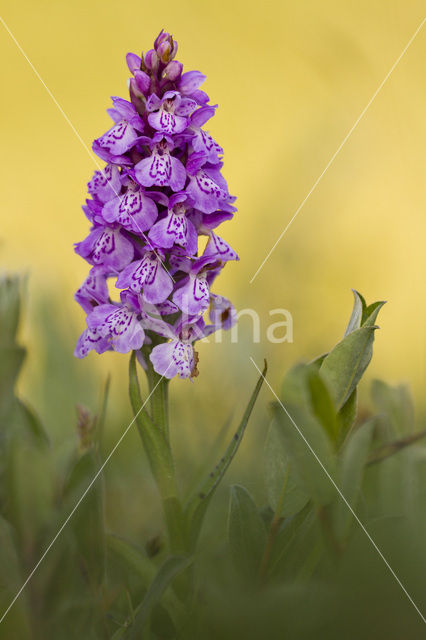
(161, 189)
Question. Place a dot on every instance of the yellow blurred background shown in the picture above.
(290, 79)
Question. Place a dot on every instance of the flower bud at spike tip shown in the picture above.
(161, 189)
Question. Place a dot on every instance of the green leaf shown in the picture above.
(88, 523)
(351, 470)
(371, 312)
(133, 559)
(172, 567)
(317, 362)
(305, 438)
(347, 414)
(286, 495)
(16, 624)
(11, 360)
(10, 308)
(357, 313)
(344, 366)
(100, 420)
(29, 419)
(197, 506)
(322, 404)
(246, 532)
(396, 403)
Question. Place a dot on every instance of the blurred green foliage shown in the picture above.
(294, 561)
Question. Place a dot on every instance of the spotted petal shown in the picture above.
(161, 170)
(94, 289)
(174, 229)
(90, 340)
(167, 122)
(133, 210)
(202, 141)
(149, 275)
(106, 246)
(105, 184)
(208, 195)
(119, 139)
(193, 297)
(217, 246)
(173, 358)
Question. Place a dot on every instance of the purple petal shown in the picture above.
(167, 122)
(208, 195)
(108, 247)
(94, 289)
(173, 358)
(190, 81)
(217, 246)
(193, 297)
(203, 141)
(133, 62)
(89, 340)
(105, 184)
(119, 139)
(133, 210)
(200, 117)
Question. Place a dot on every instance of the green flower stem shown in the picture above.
(154, 435)
(158, 390)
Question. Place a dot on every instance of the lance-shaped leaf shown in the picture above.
(351, 470)
(246, 532)
(309, 450)
(88, 523)
(347, 414)
(10, 307)
(197, 506)
(172, 567)
(286, 494)
(322, 404)
(344, 366)
(396, 403)
(358, 310)
(16, 623)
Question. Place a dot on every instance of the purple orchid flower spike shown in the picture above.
(161, 189)
(176, 228)
(161, 168)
